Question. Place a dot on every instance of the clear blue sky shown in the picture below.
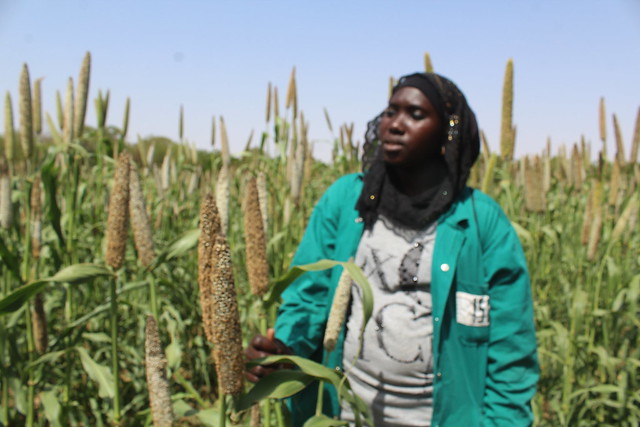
(217, 57)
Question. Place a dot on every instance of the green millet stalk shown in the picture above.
(227, 339)
(6, 205)
(602, 121)
(576, 167)
(328, 119)
(39, 321)
(268, 108)
(619, 141)
(292, 94)
(338, 311)
(625, 218)
(222, 197)
(614, 184)
(125, 119)
(38, 316)
(9, 134)
(297, 169)
(587, 217)
(82, 95)
(428, 66)
(263, 198)
(68, 113)
(594, 235)
(118, 217)
(155, 366)
(37, 106)
(533, 186)
(276, 107)
(59, 110)
(26, 114)
(226, 154)
(487, 179)
(507, 138)
(635, 145)
(36, 218)
(165, 171)
(209, 228)
(255, 242)
(486, 150)
(140, 224)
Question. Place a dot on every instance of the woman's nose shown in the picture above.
(396, 126)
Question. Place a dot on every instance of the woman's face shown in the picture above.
(410, 130)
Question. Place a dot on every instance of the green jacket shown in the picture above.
(484, 375)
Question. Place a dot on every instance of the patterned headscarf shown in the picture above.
(461, 144)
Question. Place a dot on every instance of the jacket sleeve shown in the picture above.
(512, 365)
(305, 303)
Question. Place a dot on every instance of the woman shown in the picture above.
(451, 340)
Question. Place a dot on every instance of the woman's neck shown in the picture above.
(414, 181)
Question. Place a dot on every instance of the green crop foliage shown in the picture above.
(586, 311)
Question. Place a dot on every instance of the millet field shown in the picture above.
(133, 273)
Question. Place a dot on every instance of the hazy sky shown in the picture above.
(216, 58)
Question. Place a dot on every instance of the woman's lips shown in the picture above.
(392, 146)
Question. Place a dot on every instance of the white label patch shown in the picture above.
(472, 310)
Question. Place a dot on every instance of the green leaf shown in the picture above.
(46, 358)
(76, 273)
(367, 294)
(99, 337)
(324, 421)
(208, 417)
(48, 174)
(174, 355)
(180, 246)
(17, 298)
(307, 366)
(10, 260)
(281, 284)
(52, 407)
(524, 235)
(79, 273)
(278, 385)
(98, 373)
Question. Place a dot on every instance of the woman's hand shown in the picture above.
(261, 346)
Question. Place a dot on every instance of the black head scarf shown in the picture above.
(461, 143)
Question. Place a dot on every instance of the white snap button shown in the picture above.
(444, 267)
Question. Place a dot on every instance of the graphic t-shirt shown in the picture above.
(393, 368)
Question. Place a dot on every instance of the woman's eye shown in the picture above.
(417, 115)
(389, 112)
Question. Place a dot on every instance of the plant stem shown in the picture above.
(153, 296)
(222, 417)
(114, 350)
(30, 379)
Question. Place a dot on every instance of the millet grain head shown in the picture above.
(82, 95)
(227, 334)
(118, 218)
(9, 133)
(338, 311)
(255, 242)
(26, 113)
(157, 384)
(209, 229)
(140, 223)
(39, 320)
